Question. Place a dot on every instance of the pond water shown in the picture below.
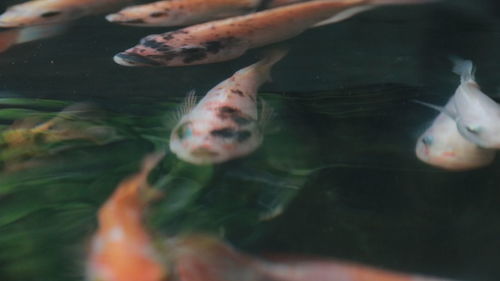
(336, 175)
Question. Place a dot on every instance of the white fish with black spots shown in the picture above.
(226, 123)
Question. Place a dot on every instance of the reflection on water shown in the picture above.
(336, 175)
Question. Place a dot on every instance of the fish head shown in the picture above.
(179, 48)
(442, 146)
(38, 13)
(211, 141)
(143, 15)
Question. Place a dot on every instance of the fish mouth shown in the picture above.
(204, 153)
(6, 24)
(131, 59)
(117, 18)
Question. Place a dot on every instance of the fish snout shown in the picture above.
(117, 17)
(132, 59)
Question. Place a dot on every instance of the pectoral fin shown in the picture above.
(441, 109)
(344, 15)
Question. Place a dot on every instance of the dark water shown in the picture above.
(337, 165)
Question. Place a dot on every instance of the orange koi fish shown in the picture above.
(16, 36)
(225, 124)
(181, 12)
(122, 249)
(230, 38)
(39, 12)
(202, 258)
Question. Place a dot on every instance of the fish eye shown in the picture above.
(184, 131)
(428, 140)
(157, 14)
(50, 14)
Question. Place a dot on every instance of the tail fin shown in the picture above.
(8, 38)
(271, 56)
(34, 33)
(464, 68)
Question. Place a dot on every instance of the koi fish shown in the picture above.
(225, 124)
(39, 12)
(442, 145)
(122, 249)
(477, 115)
(181, 12)
(230, 38)
(203, 258)
(277, 3)
(16, 36)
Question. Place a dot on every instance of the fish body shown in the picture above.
(477, 115)
(230, 38)
(39, 12)
(443, 146)
(225, 124)
(202, 258)
(181, 12)
(122, 249)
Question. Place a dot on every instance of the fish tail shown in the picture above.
(464, 68)
(271, 57)
(8, 38)
(34, 33)
(150, 162)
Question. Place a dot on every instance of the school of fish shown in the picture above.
(228, 123)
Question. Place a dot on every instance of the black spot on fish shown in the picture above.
(153, 44)
(50, 14)
(216, 45)
(192, 54)
(243, 135)
(234, 114)
(237, 92)
(172, 34)
(226, 133)
(158, 14)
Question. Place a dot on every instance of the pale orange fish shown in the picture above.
(443, 146)
(16, 36)
(188, 12)
(39, 12)
(122, 249)
(181, 12)
(230, 38)
(203, 258)
(226, 123)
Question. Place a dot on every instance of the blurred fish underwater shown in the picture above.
(335, 178)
